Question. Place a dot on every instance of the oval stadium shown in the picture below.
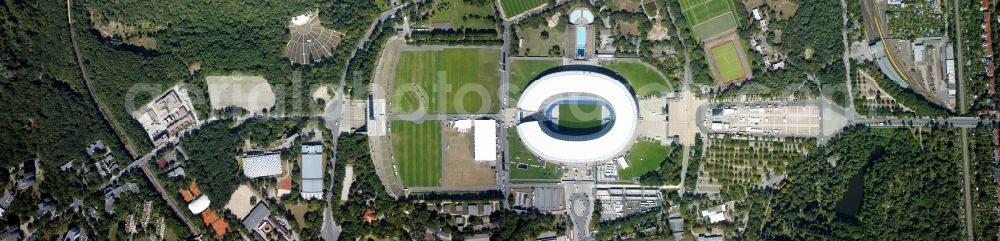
(577, 116)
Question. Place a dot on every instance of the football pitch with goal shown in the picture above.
(451, 80)
(580, 116)
(708, 18)
(727, 60)
(417, 151)
(514, 7)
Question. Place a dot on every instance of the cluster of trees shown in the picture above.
(984, 189)
(648, 225)
(669, 171)
(907, 185)
(810, 30)
(906, 97)
(458, 37)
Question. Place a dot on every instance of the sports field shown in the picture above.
(523, 71)
(417, 151)
(643, 158)
(644, 80)
(708, 18)
(452, 80)
(580, 116)
(514, 7)
(524, 164)
(728, 62)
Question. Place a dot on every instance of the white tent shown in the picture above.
(485, 132)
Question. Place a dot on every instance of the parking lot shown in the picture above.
(765, 119)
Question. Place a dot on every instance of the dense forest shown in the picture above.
(194, 39)
(868, 184)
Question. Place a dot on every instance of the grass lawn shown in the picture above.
(417, 150)
(523, 71)
(299, 212)
(453, 80)
(536, 169)
(697, 12)
(580, 116)
(535, 44)
(727, 60)
(515, 7)
(169, 235)
(113, 231)
(644, 157)
(644, 80)
(463, 14)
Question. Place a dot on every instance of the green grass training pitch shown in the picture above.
(452, 80)
(514, 7)
(727, 60)
(525, 165)
(580, 116)
(522, 72)
(644, 157)
(707, 18)
(644, 80)
(417, 151)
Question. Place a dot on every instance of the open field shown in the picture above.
(460, 14)
(417, 150)
(514, 7)
(298, 212)
(239, 203)
(535, 44)
(644, 80)
(708, 18)
(644, 157)
(632, 6)
(459, 167)
(534, 168)
(727, 60)
(251, 93)
(523, 71)
(452, 80)
(580, 116)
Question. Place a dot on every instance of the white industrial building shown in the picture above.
(262, 165)
(312, 171)
(485, 144)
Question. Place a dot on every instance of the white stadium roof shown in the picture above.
(485, 145)
(601, 147)
(262, 165)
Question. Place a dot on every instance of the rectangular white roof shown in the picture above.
(485, 134)
(262, 165)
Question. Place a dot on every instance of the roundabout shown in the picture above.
(577, 116)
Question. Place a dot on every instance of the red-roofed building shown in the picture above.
(161, 164)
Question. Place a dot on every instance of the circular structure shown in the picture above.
(577, 116)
